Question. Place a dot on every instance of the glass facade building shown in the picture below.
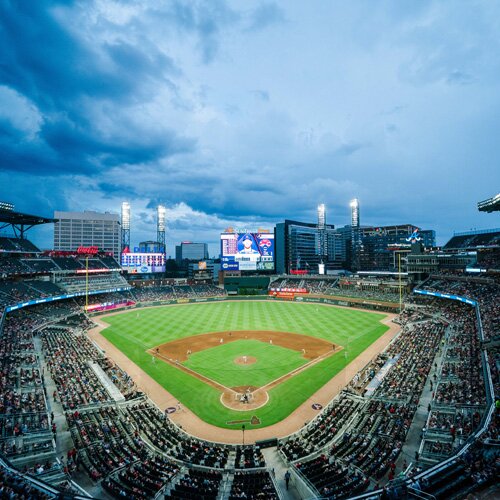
(298, 247)
(376, 254)
(191, 251)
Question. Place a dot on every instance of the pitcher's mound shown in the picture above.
(245, 360)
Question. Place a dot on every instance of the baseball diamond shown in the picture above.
(190, 350)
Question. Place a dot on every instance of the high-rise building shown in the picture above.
(297, 247)
(191, 251)
(75, 229)
(379, 245)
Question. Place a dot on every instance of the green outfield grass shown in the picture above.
(217, 363)
(136, 331)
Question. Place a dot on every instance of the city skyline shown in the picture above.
(245, 115)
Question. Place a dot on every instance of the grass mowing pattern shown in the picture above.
(136, 331)
(217, 363)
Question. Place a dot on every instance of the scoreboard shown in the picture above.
(247, 251)
(143, 263)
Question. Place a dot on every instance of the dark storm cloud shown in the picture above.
(46, 63)
(68, 80)
(238, 112)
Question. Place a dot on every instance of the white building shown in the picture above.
(74, 229)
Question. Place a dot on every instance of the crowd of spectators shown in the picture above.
(66, 356)
(459, 398)
(485, 290)
(360, 437)
(316, 286)
(26, 437)
(248, 457)
(14, 486)
(105, 439)
(254, 486)
(75, 284)
(17, 245)
(333, 479)
(414, 351)
(141, 480)
(322, 429)
(27, 264)
(172, 292)
(169, 439)
(201, 484)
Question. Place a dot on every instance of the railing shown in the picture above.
(413, 492)
(305, 488)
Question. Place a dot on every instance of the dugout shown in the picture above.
(246, 285)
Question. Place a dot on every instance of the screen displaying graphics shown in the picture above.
(247, 251)
(139, 263)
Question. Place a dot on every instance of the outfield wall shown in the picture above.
(364, 304)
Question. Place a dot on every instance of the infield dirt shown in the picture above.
(179, 350)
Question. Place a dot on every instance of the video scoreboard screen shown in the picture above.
(247, 251)
(143, 263)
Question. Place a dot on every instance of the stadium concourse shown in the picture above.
(419, 418)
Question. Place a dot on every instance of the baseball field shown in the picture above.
(209, 354)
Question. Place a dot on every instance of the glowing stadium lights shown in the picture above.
(354, 212)
(161, 211)
(322, 240)
(161, 225)
(5, 205)
(355, 235)
(125, 215)
(125, 222)
(321, 216)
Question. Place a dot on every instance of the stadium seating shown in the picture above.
(80, 284)
(131, 449)
(253, 486)
(468, 241)
(332, 479)
(17, 245)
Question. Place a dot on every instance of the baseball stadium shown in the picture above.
(296, 385)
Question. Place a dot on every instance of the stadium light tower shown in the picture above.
(161, 227)
(355, 213)
(355, 233)
(322, 241)
(125, 222)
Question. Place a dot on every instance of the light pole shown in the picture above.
(243, 431)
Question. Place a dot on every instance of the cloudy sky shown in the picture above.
(248, 112)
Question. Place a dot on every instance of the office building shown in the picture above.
(75, 229)
(188, 250)
(298, 248)
(379, 246)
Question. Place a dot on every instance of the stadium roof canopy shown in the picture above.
(474, 240)
(490, 205)
(19, 222)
